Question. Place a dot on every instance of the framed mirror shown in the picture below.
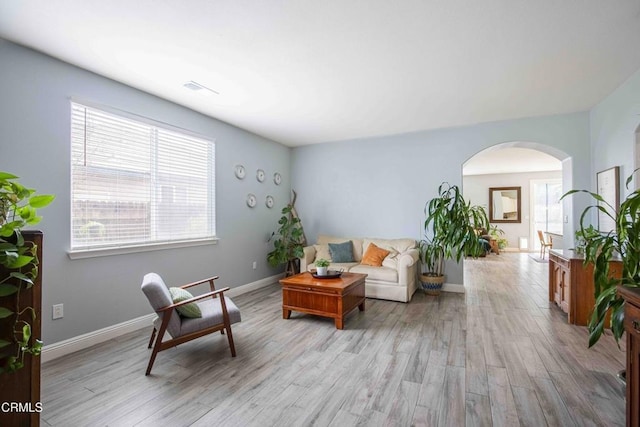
(504, 204)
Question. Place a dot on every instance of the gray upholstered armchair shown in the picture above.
(217, 313)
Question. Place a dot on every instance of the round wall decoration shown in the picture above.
(240, 171)
(269, 202)
(260, 175)
(277, 178)
(251, 200)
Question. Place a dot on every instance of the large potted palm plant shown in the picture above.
(450, 232)
(600, 248)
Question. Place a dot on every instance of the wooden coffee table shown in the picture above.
(333, 298)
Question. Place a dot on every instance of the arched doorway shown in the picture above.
(542, 173)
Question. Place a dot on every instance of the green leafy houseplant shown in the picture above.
(583, 235)
(496, 232)
(288, 246)
(322, 263)
(449, 230)
(18, 209)
(600, 248)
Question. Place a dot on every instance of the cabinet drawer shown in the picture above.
(560, 261)
(309, 289)
(632, 319)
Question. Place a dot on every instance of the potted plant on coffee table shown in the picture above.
(449, 233)
(322, 266)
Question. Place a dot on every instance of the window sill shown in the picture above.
(100, 252)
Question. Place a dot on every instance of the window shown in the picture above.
(137, 184)
(547, 208)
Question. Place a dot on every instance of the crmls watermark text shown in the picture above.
(20, 407)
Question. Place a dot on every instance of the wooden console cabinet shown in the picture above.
(632, 328)
(571, 284)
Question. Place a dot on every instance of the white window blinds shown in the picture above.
(137, 184)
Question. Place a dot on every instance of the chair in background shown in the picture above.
(543, 244)
(218, 313)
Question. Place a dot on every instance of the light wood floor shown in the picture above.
(498, 355)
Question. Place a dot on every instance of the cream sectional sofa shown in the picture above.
(395, 280)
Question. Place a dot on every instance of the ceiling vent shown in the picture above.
(197, 87)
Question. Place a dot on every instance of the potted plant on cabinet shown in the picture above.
(582, 236)
(18, 209)
(20, 298)
(288, 245)
(449, 233)
(599, 248)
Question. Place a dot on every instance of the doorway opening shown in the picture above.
(539, 171)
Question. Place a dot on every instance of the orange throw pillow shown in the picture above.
(374, 255)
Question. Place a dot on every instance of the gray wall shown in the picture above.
(378, 186)
(614, 123)
(100, 292)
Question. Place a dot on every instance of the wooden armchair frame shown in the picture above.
(165, 314)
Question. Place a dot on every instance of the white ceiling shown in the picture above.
(510, 160)
(309, 71)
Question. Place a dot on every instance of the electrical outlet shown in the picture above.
(255, 265)
(58, 311)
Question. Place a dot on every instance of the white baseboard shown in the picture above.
(71, 345)
(239, 290)
(453, 287)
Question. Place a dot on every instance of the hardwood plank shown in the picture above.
(516, 369)
(576, 403)
(452, 406)
(551, 403)
(476, 366)
(401, 412)
(529, 410)
(503, 407)
(477, 410)
(384, 396)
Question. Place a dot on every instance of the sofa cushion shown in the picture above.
(322, 251)
(392, 245)
(323, 239)
(341, 252)
(377, 273)
(391, 261)
(374, 255)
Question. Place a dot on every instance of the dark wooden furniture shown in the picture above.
(23, 386)
(333, 298)
(219, 316)
(571, 284)
(632, 328)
